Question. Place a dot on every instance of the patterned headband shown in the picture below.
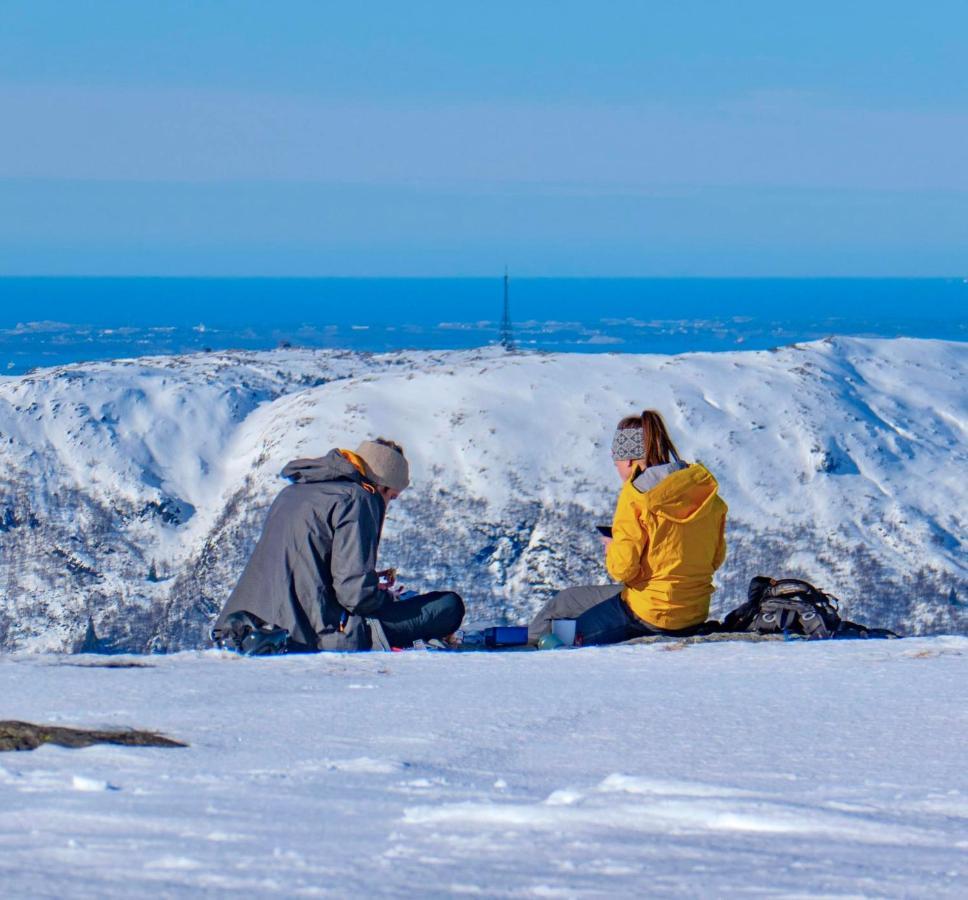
(628, 444)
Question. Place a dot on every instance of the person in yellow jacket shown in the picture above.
(668, 537)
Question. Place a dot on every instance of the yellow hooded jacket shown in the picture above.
(668, 537)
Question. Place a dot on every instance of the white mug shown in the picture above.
(564, 630)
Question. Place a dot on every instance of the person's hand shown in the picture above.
(606, 541)
(386, 578)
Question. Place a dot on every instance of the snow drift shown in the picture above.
(831, 769)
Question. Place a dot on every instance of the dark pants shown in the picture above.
(421, 618)
(601, 617)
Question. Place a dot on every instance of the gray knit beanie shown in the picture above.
(385, 466)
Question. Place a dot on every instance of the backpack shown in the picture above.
(786, 606)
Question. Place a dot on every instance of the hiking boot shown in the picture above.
(249, 635)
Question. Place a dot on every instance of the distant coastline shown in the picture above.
(53, 321)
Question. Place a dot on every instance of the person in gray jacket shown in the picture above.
(314, 571)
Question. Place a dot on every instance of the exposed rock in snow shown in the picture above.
(131, 492)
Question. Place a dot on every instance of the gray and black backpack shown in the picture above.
(785, 606)
(790, 606)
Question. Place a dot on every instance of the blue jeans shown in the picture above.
(601, 617)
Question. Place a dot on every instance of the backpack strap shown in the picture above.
(759, 586)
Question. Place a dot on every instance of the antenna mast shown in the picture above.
(507, 333)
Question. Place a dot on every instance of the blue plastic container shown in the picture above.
(506, 636)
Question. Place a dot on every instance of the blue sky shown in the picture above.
(447, 138)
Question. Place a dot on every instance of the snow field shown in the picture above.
(790, 769)
(133, 491)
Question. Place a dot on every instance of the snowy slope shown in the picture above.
(716, 770)
(132, 492)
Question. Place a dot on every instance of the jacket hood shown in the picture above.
(334, 466)
(677, 491)
(652, 476)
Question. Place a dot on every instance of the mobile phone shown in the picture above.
(604, 530)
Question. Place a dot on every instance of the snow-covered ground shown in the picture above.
(132, 492)
(782, 769)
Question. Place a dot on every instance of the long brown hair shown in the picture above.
(659, 448)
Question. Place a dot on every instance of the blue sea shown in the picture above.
(49, 321)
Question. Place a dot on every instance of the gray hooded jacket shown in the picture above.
(313, 571)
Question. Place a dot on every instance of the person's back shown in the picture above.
(289, 580)
(677, 508)
(313, 572)
(667, 539)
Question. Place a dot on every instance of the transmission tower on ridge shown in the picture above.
(507, 333)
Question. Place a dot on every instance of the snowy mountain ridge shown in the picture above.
(131, 492)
